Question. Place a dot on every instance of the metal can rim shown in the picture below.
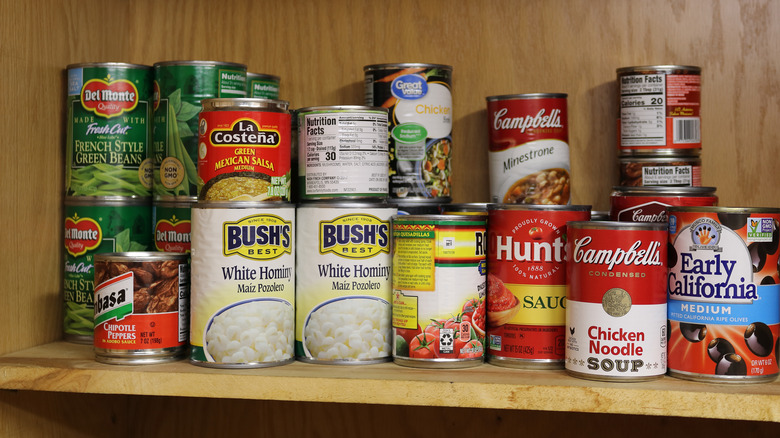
(526, 96)
(692, 159)
(402, 65)
(440, 217)
(109, 65)
(341, 108)
(727, 210)
(665, 67)
(245, 103)
(140, 256)
(250, 75)
(660, 190)
(613, 225)
(538, 207)
(182, 201)
(243, 204)
(351, 203)
(197, 63)
(106, 201)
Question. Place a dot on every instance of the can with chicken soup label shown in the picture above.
(344, 151)
(343, 284)
(93, 227)
(660, 171)
(109, 130)
(659, 110)
(724, 294)
(419, 98)
(262, 85)
(529, 148)
(243, 284)
(649, 204)
(172, 225)
(439, 269)
(141, 307)
(244, 150)
(526, 299)
(179, 88)
(616, 301)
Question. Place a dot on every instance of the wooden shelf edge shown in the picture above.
(64, 367)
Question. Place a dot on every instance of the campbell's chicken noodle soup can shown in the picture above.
(172, 221)
(660, 109)
(244, 150)
(526, 299)
(649, 204)
(724, 294)
(616, 301)
(529, 149)
(141, 307)
(439, 269)
(419, 100)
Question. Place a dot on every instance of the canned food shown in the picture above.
(172, 225)
(599, 215)
(109, 130)
(419, 98)
(659, 110)
(141, 307)
(244, 152)
(649, 204)
(529, 149)
(343, 283)
(616, 301)
(660, 171)
(243, 284)
(477, 208)
(526, 299)
(439, 270)
(93, 227)
(262, 86)
(416, 206)
(344, 150)
(724, 300)
(179, 88)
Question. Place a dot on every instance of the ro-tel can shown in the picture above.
(141, 307)
(529, 149)
(659, 110)
(616, 301)
(526, 298)
(660, 171)
(649, 204)
(262, 85)
(344, 151)
(92, 227)
(343, 283)
(243, 284)
(244, 151)
(724, 294)
(172, 225)
(109, 130)
(477, 208)
(419, 97)
(439, 270)
(179, 88)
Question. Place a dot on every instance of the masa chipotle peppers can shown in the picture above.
(724, 294)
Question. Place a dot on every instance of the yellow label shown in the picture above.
(354, 236)
(414, 257)
(543, 305)
(258, 237)
(461, 245)
(404, 311)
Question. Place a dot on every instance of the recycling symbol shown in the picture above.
(446, 340)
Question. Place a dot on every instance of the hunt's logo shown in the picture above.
(172, 235)
(81, 235)
(245, 132)
(354, 236)
(258, 237)
(109, 98)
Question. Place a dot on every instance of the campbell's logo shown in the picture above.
(258, 237)
(638, 254)
(81, 235)
(109, 98)
(172, 235)
(541, 120)
(648, 212)
(355, 236)
(244, 132)
(409, 87)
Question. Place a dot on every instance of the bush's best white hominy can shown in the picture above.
(243, 284)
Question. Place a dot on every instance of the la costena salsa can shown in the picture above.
(649, 204)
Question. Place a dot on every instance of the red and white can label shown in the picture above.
(616, 308)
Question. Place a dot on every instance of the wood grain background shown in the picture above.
(319, 49)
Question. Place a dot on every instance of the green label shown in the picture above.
(263, 88)
(410, 133)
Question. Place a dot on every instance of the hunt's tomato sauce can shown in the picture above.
(526, 300)
(616, 301)
(724, 294)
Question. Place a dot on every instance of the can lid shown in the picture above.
(614, 225)
(403, 65)
(539, 207)
(666, 68)
(244, 103)
(341, 108)
(526, 96)
(662, 191)
(108, 65)
(199, 64)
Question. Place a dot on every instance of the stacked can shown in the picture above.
(108, 178)
(262, 85)
(659, 143)
(343, 248)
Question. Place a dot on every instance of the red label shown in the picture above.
(109, 99)
(513, 122)
(172, 237)
(139, 332)
(652, 208)
(81, 235)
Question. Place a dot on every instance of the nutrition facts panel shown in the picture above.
(643, 110)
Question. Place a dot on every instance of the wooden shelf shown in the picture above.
(65, 367)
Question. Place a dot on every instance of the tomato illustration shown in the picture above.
(423, 346)
(478, 319)
(471, 350)
(457, 345)
(408, 334)
(535, 233)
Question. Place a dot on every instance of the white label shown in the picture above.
(643, 110)
(667, 176)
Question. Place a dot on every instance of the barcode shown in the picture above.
(687, 131)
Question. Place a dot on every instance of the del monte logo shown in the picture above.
(81, 235)
(108, 97)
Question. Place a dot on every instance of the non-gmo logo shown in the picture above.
(409, 87)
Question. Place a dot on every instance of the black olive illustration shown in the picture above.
(693, 332)
(731, 365)
(718, 348)
(770, 248)
(757, 256)
(671, 256)
(734, 221)
(759, 339)
(767, 280)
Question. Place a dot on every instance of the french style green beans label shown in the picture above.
(109, 131)
(89, 230)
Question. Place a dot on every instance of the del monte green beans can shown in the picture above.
(109, 130)
(179, 88)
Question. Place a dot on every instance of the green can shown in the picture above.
(109, 130)
(262, 85)
(92, 227)
(179, 88)
(172, 225)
